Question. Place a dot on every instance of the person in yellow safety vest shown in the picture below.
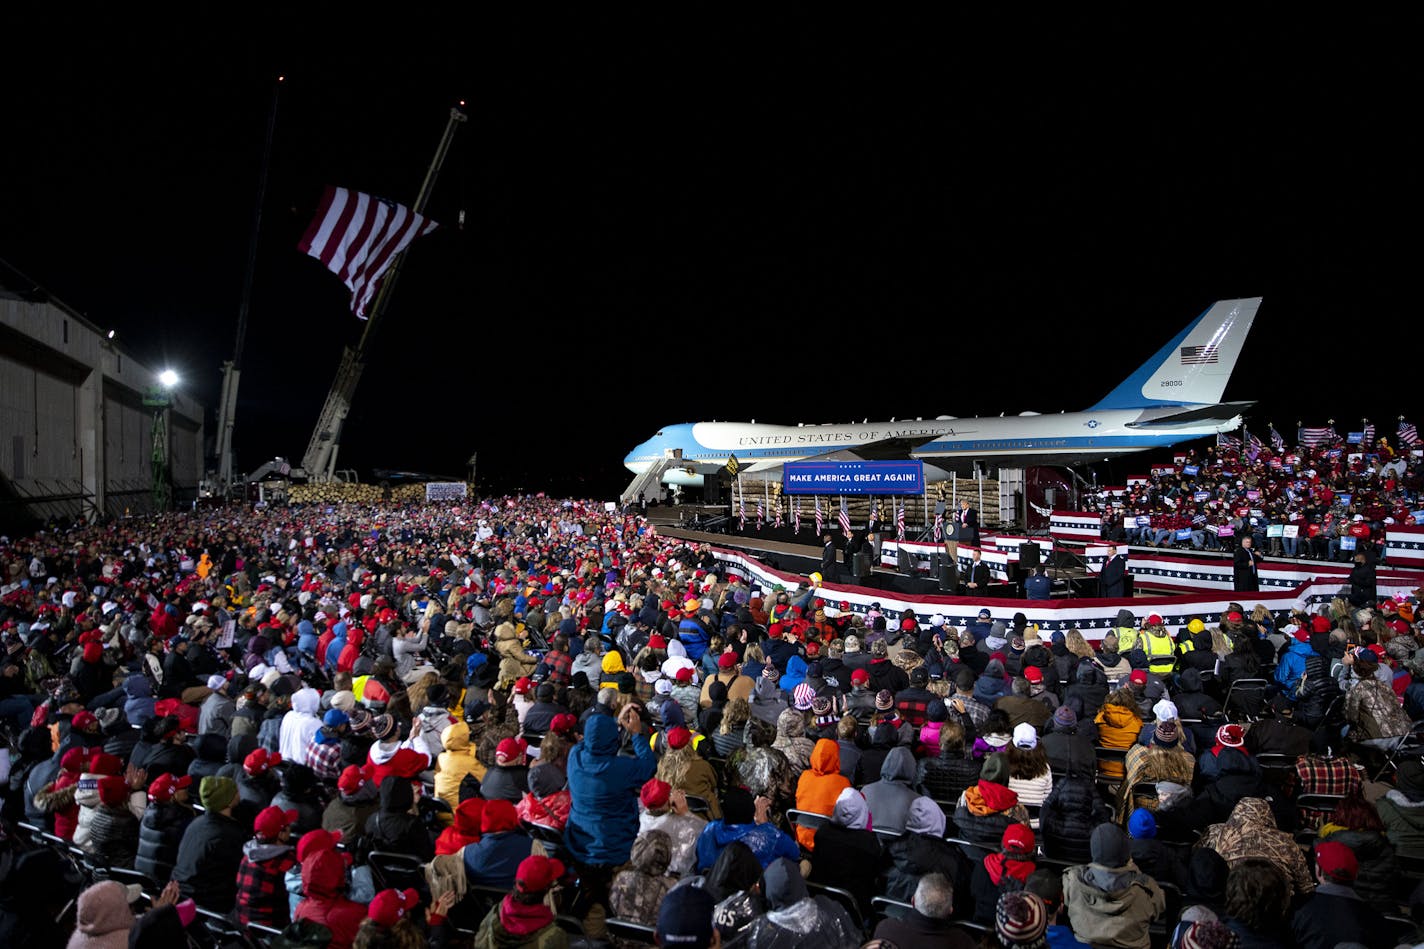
(1126, 629)
(1157, 643)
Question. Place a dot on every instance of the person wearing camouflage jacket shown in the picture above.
(1251, 831)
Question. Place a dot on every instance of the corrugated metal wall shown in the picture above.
(64, 387)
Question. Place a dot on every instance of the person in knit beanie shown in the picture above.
(212, 849)
(1020, 921)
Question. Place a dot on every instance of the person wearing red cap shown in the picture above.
(266, 858)
(508, 779)
(465, 829)
(113, 830)
(729, 674)
(390, 920)
(1335, 913)
(1006, 870)
(57, 797)
(161, 830)
(521, 918)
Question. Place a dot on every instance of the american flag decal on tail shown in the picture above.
(1199, 355)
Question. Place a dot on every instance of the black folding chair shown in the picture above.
(1410, 743)
(629, 931)
(843, 897)
(1251, 694)
(396, 871)
(885, 908)
(699, 806)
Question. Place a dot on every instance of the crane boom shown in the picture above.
(319, 462)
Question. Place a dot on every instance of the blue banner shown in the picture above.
(853, 477)
(1355, 438)
(1202, 496)
(1191, 471)
(1347, 543)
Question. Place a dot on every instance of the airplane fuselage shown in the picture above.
(949, 443)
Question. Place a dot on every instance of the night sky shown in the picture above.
(679, 218)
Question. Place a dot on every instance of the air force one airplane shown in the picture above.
(1173, 397)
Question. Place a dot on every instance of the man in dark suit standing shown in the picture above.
(1112, 580)
(1246, 576)
(968, 524)
(977, 578)
(828, 559)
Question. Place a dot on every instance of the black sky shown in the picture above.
(792, 218)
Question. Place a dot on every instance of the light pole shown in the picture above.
(159, 398)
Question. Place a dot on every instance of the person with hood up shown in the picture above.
(465, 829)
(547, 802)
(211, 847)
(103, 919)
(992, 685)
(138, 700)
(638, 891)
(211, 751)
(1110, 902)
(301, 793)
(395, 827)
(299, 724)
(215, 714)
(1250, 833)
(1119, 724)
(1004, 871)
(161, 831)
(819, 786)
(922, 849)
(989, 807)
(847, 853)
(796, 919)
(457, 760)
(494, 858)
(266, 858)
(890, 798)
(1089, 690)
(324, 901)
(1068, 743)
(356, 801)
(791, 740)
(522, 919)
(602, 785)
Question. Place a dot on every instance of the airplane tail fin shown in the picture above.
(1195, 366)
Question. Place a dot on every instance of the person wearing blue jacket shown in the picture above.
(603, 811)
(1292, 664)
(692, 633)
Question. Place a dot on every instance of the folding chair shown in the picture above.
(629, 931)
(224, 930)
(1277, 768)
(886, 908)
(843, 897)
(1410, 743)
(573, 926)
(396, 871)
(699, 806)
(1245, 690)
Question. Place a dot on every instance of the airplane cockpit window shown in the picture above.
(658, 435)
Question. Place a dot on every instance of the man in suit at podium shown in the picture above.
(1112, 580)
(977, 578)
(968, 519)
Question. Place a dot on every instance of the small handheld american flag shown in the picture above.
(1408, 434)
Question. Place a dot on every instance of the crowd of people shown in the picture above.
(1315, 502)
(529, 722)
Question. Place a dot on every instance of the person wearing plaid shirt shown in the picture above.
(1320, 772)
(266, 858)
(324, 749)
(558, 664)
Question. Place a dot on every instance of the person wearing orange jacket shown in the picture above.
(819, 786)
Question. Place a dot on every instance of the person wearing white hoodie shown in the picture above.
(299, 725)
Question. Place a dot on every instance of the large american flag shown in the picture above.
(1408, 434)
(1254, 446)
(761, 513)
(845, 519)
(1315, 437)
(900, 521)
(1277, 442)
(1369, 433)
(1229, 442)
(796, 516)
(820, 522)
(357, 237)
(776, 510)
